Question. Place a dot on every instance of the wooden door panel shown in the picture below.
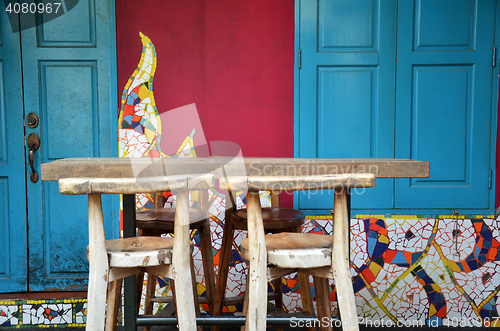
(13, 248)
(444, 102)
(69, 104)
(69, 76)
(76, 28)
(347, 81)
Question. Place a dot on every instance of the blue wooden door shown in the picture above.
(69, 82)
(346, 85)
(428, 94)
(13, 239)
(445, 80)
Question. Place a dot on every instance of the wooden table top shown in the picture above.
(115, 167)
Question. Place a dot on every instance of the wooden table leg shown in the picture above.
(98, 272)
(129, 296)
(257, 275)
(340, 263)
(181, 262)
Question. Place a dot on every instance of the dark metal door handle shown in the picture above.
(33, 145)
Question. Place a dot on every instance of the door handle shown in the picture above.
(33, 145)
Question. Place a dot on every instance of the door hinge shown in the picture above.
(300, 58)
(494, 55)
(490, 179)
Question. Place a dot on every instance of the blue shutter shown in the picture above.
(346, 89)
(445, 101)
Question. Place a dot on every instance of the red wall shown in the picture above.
(233, 59)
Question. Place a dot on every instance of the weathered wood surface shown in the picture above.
(131, 185)
(292, 183)
(162, 219)
(154, 167)
(184, 297)
(256, 311)
(295, 250)
(283, 219)
(98, 266)
(139, 251)
(340, 263)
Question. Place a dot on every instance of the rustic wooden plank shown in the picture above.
(131, 185)
(340, 263)
(184, 299)
(290, 183)
(153, 167)
(98, 266)
(323, 303)
(257, 277)
(114, 298)
(120, 273)
(140, 251)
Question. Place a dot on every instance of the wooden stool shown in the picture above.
(319, 255)
(158, 221)
(275, 220)
(112, 260)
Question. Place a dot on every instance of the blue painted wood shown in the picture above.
(13, 239)
(445, 102)
(346, 89)
(68, 69)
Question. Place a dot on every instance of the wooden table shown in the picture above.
(221, 167)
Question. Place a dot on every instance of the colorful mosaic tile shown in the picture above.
(43, 313)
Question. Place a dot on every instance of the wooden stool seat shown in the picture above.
(295, 250)
(163, 219)
(273, 218)
(139, 251)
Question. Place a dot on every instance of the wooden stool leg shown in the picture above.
(186, 314)
(98, 271)
(340, 263)
(304, 286)
(323, 303)
(305, 295)
(208, 264)
(279, 299)
(257, 269)
(224, 260)
(245, 308)
(150, 293)
(139, 283)
(114, 299)
(195, 294)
